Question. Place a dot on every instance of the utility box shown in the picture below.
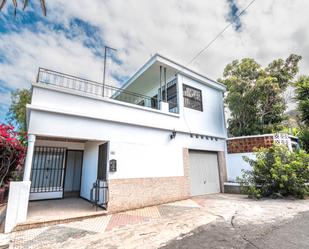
(113, 165)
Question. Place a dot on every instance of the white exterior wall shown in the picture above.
(235, 163)
(209, 122)
(139, 137)
(150, 149)
(212, 117)
(140, 152)
(90, 168)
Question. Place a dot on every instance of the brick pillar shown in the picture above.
(186, 170)
(222, 169)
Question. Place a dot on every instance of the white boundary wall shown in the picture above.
(16, 211)
(235, 163)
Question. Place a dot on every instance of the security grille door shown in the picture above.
(204, 173)
(47, 169)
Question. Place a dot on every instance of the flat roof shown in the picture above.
(179, 68)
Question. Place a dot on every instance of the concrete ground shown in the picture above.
(284, 234)
(213, 221)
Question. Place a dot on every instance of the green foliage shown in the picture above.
(302, 96)
(17, 110)
(291, 131)
(255, 94)
(303, 136)
(277, 172)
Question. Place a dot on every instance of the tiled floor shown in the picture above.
(66, 208)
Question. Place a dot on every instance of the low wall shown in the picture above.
(238, 147)
(140, 192)
(17, 206)
(235, 164)
(248, 144)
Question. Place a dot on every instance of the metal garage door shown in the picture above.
(204, 173)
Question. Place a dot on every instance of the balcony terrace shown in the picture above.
(62, 80)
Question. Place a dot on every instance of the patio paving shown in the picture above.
(62, 209)
(152, 227)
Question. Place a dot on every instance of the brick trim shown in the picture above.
(244, 145)
(131, 193)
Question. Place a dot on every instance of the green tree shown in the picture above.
(17, 111)
(304, 138)
(256, 94)
(240, 78)
(302, 97)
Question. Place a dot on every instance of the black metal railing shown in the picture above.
(99, 195)
(63, 80)
(47, 169)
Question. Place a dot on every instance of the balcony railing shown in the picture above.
(63, 80)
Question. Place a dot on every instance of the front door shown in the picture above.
(73, 172)
(102, 162)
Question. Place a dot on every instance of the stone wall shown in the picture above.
(133, 193)
(247, 144)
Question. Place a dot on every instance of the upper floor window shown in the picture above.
(171, 95)
(192, 98)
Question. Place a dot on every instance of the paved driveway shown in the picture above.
(213, 221)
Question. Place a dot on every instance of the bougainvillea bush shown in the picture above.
(277, 172)
(12, 155)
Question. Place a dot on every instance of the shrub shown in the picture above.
(12, 155)
(276, 172)
(304, 138)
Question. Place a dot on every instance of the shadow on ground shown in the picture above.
(293, 234)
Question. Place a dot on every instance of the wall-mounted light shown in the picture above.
(173, 135)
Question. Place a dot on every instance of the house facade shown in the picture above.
(160, 137)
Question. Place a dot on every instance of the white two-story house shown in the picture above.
(159, 138)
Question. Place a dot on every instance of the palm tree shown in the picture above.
(25, 4)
